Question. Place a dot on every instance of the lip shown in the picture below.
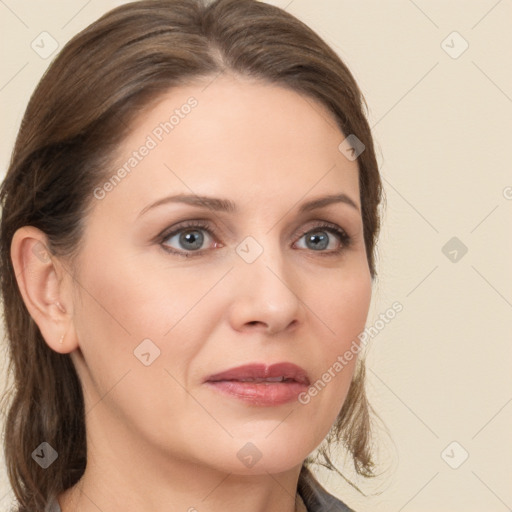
(257, 384)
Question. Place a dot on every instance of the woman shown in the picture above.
(188, 233)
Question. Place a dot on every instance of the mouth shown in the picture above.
(260, 384)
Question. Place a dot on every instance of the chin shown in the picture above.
(264, 466)
(272, 453)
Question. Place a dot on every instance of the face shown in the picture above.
(172, 293)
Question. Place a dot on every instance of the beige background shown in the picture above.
(440, 371)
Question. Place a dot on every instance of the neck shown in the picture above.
(141, 479)
(202, 492)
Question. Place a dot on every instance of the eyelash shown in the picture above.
(345, 239)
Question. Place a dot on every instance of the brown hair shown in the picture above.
(76, 118)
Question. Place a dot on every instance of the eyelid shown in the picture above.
(318, 224)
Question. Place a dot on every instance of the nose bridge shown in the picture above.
(265, 291)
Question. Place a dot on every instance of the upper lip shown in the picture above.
(263, 371)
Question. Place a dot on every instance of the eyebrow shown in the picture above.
(228, 206)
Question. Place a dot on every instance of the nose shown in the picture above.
(265, 295)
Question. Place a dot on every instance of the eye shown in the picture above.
(318, 239)
(188, 237)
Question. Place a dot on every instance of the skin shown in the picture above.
(156, 434)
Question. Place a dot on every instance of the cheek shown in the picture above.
(131, 328)
(130, 296)
(130, 313)
(343, 306)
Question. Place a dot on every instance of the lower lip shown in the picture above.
(260, 393)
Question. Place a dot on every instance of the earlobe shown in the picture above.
(41, 283)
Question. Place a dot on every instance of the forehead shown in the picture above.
(235, 137)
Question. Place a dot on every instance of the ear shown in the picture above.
(45, 286)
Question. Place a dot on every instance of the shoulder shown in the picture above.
(315, 497)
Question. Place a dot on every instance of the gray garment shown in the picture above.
(315, 497)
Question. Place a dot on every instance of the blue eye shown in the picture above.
(190, 239)
(318, 238)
